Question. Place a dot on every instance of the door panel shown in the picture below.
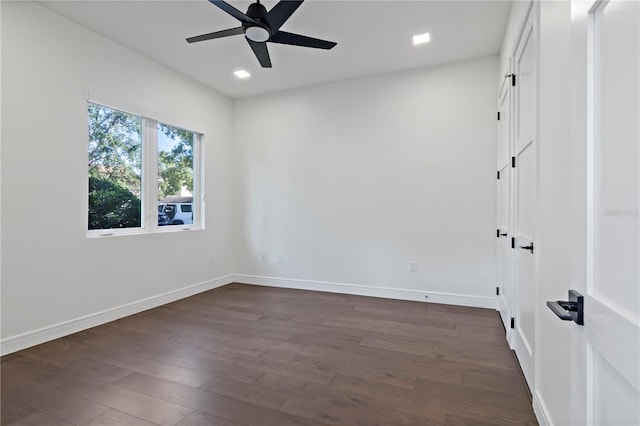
(616, 155)
(525, 264)
(612, 395)
(525, 88)
(504, 125)
(526, 189)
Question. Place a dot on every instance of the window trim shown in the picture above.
(149, 181)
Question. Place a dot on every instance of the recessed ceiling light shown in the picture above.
(242, 74)
(421, 38)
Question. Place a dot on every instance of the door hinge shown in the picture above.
(513, 161)
(498, 174)
(513, 79)
(498, 115)
(513, 242)
(497, 291)
(513, 322)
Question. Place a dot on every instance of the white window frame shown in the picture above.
(149, 182)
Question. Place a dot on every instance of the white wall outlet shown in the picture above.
(279, 258)
(212, 260)
(263, 257)
(413, 266)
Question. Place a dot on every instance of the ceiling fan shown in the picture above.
(260, 26)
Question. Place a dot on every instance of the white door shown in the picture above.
(524, 178)
(606, 378)
(504, 285)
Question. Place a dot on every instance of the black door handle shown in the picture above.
(529, 247)
(572, 310)
(502, 235)
(559, 311)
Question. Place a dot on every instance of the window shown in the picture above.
(137, 166)
(115, 169)
(175, 173)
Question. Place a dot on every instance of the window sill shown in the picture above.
(107, 233)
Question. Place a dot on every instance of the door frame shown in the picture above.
(505, 285)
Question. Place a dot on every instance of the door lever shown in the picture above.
(502, 235)
(529, 247)
(571, 310)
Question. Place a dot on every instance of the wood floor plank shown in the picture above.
(495, 402)
(77, 364)
(208, 364)
(205, 419)
(204, 401)
(382, 397)
(300, 369)
(335, 409)
(366, 328)
(31, 368)
(40, 419)
(377, 371)
(252, 393)
(404, 344)
(49, 401)
(117, 418)
(244, 355)
(364, 362)
(130, 360)
(12, 411)
(457, 420)
(437, 401)
(499, 380)
(127, 401)
(307, 324)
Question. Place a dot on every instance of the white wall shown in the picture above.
(351, 181)
(51, 273)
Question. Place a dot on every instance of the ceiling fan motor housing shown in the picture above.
(260, 33)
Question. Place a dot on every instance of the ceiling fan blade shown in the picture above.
(233, 12)
(283, 37)
(279, 13)
(261, 52)
(217, 34)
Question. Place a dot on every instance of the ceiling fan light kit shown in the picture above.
(260, 26)
(258, 34)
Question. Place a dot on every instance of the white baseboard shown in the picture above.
(540, 410)
(372, 291)
(32, 338)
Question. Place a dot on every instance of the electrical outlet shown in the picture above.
(212, 260)
(413, 266)
(279, 258)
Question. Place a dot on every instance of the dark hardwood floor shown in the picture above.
(255, 356)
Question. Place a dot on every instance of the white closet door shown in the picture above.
(525, 199)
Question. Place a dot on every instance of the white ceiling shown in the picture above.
(373, 37)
